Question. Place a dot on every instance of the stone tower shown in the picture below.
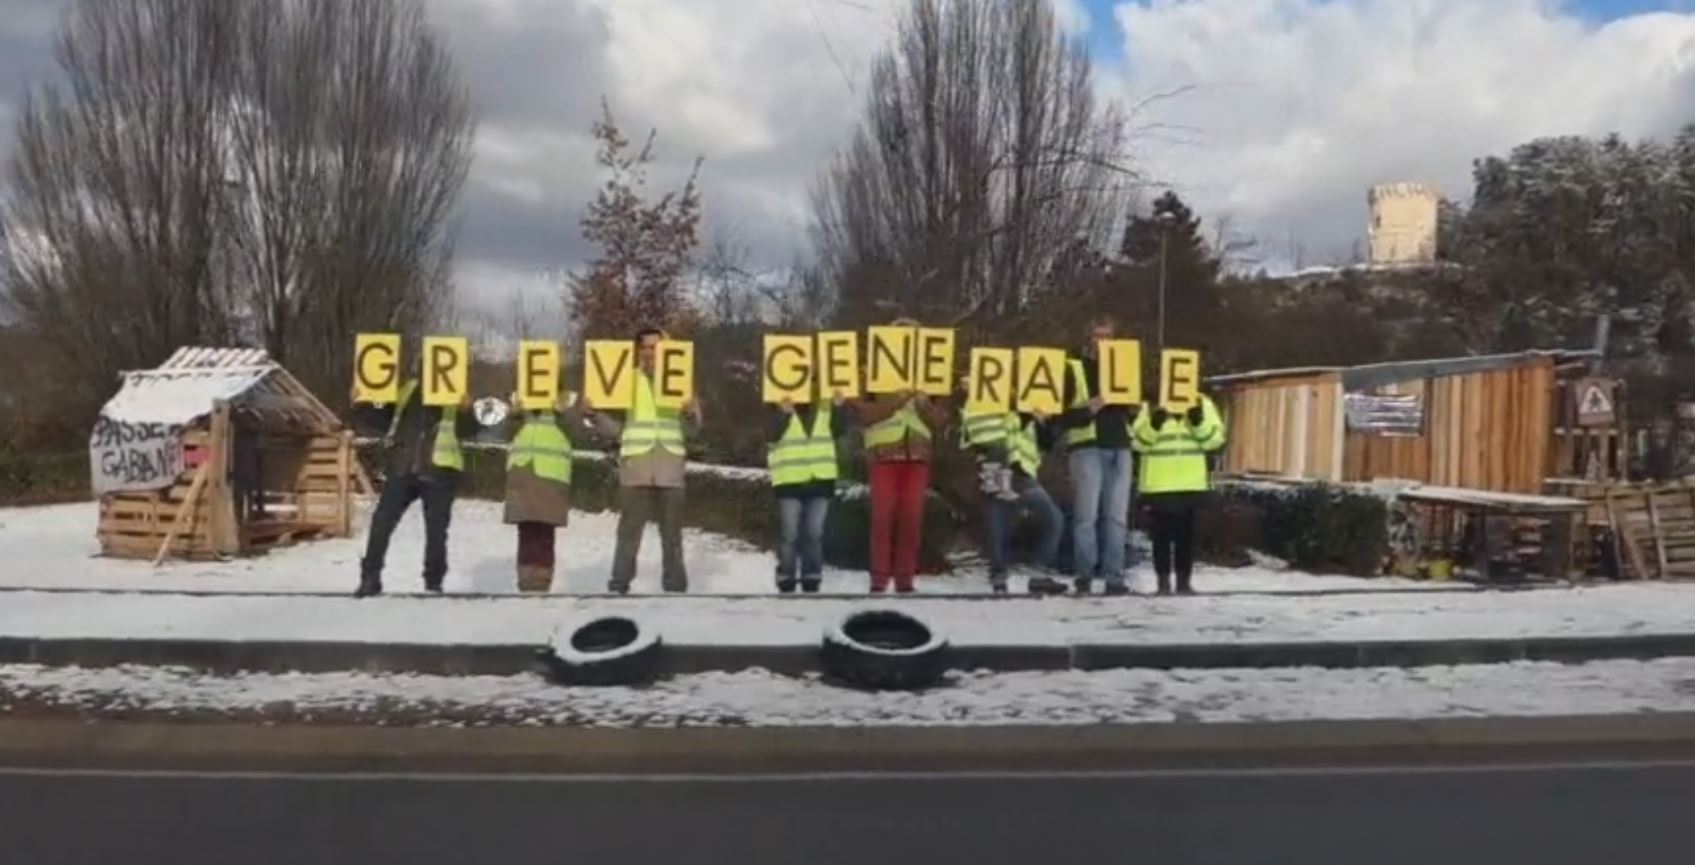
(1403, 223)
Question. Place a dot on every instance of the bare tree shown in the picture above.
(982, 160)
(344, 181)
(115, 195)
(637, 280)
(189, 182)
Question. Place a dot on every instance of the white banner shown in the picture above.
(124, 456)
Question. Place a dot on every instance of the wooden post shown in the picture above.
(343, 504)
(1658, 533)
(225, 533)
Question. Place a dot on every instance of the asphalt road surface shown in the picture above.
(1636, 812)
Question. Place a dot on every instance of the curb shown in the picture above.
(533, 751)
(793, 660)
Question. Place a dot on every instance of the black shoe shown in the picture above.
(1083, 585)
(1185, 590)
(906, 589)
(998, 586)
(617, 588)
(1117, 590)
(1046, 586)
(786, 587)
(433, 588)
(811, 587)
(368, 588)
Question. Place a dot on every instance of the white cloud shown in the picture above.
(1299, 105)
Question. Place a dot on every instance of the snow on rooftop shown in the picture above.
(186, 386)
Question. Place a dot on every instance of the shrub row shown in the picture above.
(33, 479)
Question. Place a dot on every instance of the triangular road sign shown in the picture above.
(1595, 401)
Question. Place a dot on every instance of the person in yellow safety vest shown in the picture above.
(1097, 439)
(538, 486)
(1175, 482)
(803, 461)
(898, 446)
(1017, 441)
(423, 461)
(652, 459)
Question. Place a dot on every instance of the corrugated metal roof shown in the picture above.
(1370, 376)
(186, 386)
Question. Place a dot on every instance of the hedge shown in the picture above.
(27, 479)
(1320, 528)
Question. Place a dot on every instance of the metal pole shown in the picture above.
(1163, 234)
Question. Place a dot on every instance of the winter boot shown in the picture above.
(786, 585)
(811, 585)
(1117, 590)
(369, 586)
(997, 583)
(1046, 586)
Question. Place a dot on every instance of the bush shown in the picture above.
(28, 479)
(1320, 528)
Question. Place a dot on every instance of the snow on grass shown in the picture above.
(757, 698)
(55, 547)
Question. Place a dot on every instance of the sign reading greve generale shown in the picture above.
(796, 368)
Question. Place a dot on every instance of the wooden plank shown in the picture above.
(1622, 535)
(185, 513)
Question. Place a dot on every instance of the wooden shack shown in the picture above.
(219, 452)
(1502, 422)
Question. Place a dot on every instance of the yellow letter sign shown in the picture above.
(935, 361)
(609, 373)
(376, 368)
(891, 362)
(1179, 379)
(787, 370)
(1121, 372)
(447, 370)
(673, 371)
(837, 369)
(990, 387)
(1041, 380)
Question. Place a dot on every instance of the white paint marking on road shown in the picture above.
(731, 778)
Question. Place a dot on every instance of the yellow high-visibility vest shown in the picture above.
(803, 456)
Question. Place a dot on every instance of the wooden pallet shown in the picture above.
(1655, 528)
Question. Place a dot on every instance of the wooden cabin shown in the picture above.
(216, 453)
(1506, 423)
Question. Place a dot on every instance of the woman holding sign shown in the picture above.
(898, 444)
(538, 486)
(1173, 443)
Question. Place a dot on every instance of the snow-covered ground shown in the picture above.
(757, 698)
(749, 621)
(55, 548)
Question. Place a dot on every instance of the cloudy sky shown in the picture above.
(1290, 109)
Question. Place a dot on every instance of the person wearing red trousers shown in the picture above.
(899, 430)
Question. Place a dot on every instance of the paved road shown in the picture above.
(1635, 813)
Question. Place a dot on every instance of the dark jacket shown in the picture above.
(1112, 423)
(841, 420)
(409, 451)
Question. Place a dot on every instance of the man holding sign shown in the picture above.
(652, 458)
(423, 460)
(1098, 438)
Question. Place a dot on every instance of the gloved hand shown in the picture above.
(1196, 416)
(1159, 417)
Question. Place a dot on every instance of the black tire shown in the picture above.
(885, 650)
(611, 650)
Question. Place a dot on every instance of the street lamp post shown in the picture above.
(1164, 219)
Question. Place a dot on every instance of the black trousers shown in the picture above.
(1174, 544)
(399, 492)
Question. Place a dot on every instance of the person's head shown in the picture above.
(903, 321)
(647, 346)
(1101, 329)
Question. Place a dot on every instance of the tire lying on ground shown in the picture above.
(609, 650)
(885, 650)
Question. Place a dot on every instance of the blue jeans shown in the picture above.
(803, 537)
(1100, 512)
(1036, 500)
